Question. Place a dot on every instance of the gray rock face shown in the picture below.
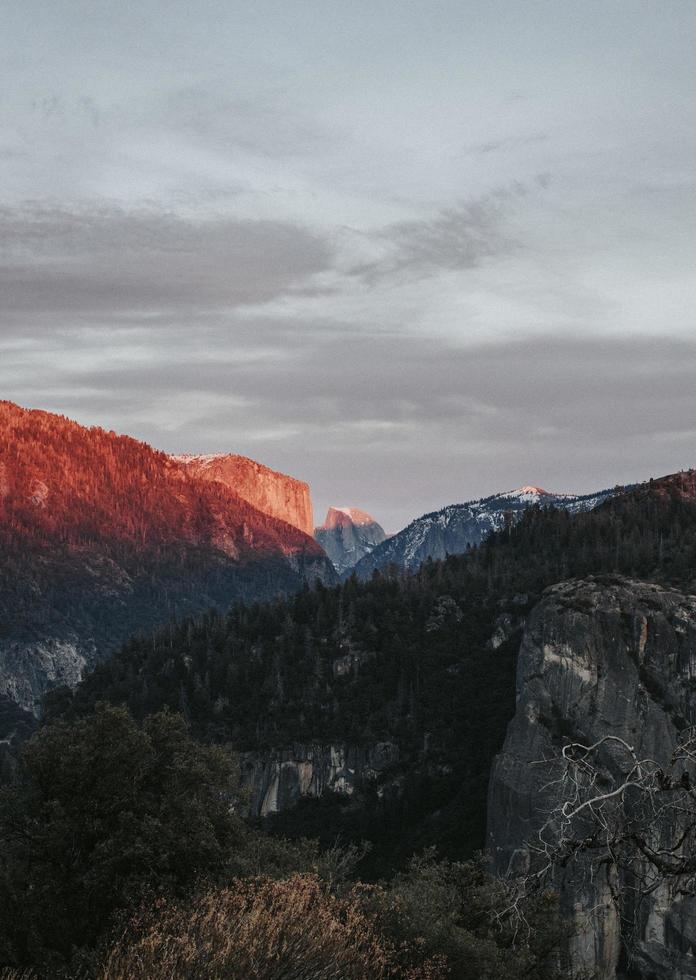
(347, 535)
(277, 780)
(598, 658)
(29, 670)
(453, 529)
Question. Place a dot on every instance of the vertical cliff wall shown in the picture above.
(600, 657)
(272, 493)
(278, 779)
(347, 535)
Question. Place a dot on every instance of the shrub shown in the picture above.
(265, 929)
(480, 923)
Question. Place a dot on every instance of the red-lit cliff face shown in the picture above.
(101, 537)
(343, 516)
(270, 492)
(61, 482)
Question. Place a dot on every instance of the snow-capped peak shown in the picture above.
(532, 494)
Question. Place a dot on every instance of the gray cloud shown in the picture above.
(108, 259)
(112, 264)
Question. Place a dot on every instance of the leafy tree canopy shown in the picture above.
(100, 812)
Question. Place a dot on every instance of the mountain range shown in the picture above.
(453, 529)
(103, 537)
(412, 711)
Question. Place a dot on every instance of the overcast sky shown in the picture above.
(412, 252)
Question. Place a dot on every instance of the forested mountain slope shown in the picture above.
(102, 537)
(421, 664)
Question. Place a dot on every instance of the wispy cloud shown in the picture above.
(459, 237)
(505, 144)
(263, 124)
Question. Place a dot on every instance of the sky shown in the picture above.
(412, 252)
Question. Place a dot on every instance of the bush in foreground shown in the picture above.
(437, 920)
(265, 929)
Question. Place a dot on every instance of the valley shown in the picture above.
(402, 712)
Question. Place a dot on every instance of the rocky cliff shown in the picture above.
(604, 657)
(453, 529)
(347, 535)
(278, 779)
(275, 494)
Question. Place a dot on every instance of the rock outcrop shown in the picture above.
(277, 780)
(29, 670)
(347, 535)
(599, 657)
(275, 494)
